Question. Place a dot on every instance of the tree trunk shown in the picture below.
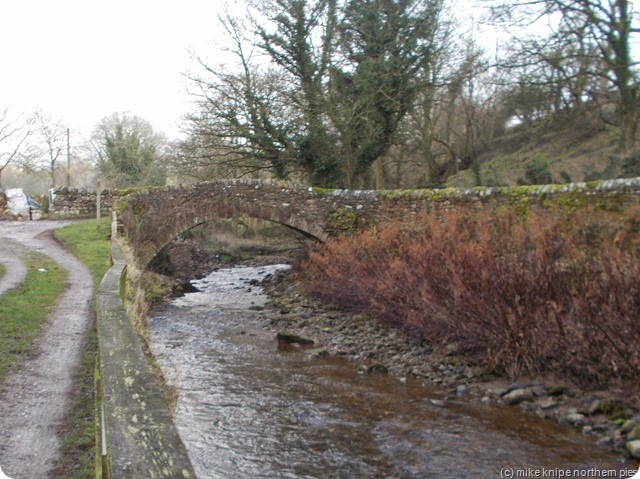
(628, 126)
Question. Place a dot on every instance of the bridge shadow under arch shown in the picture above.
(208, 245)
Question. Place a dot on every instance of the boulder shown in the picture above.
(575, 419)
(634, 448)
(291, 338)
(517, 396)
(557, 390)
(634, 434)
(317, 353)
(377, 368)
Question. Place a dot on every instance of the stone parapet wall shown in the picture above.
(371, 207)
(151, 219)
(365, 206)
(80, 202)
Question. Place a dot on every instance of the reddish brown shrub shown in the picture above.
(547, 292)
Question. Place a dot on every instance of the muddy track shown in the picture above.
(34, 398)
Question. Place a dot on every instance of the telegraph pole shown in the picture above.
(68, 182)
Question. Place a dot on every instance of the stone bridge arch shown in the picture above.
(150, 219)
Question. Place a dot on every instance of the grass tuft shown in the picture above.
(90, 243)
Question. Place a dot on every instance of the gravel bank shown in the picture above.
(611, 416)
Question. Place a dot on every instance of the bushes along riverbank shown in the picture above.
(544, 292)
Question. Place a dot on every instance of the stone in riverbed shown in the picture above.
(317, 353)
(575, 419)
(557, 390)
(547, 403)
(594, 408)
(605, 441)
(290, 338)
(630, 424)
(518, 395)
(634, 448)
(634, 434)
(377, 368)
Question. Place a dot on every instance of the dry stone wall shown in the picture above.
(80, 202)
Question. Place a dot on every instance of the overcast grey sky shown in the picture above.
(81, 60)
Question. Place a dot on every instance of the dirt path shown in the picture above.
(33, 400)
(15, 269)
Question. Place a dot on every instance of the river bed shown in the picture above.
(247, 408)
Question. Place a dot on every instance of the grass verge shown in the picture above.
(91, 245)
(23, 310)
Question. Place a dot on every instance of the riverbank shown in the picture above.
(610, 416)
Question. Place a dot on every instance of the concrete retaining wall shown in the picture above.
(138, 438)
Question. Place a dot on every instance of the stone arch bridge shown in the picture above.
(150, 219)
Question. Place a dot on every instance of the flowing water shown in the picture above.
(247, 409)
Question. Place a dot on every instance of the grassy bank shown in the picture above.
(91, 245)
(24, 309)
(547, 292)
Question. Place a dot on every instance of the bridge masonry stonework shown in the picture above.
(149, 220)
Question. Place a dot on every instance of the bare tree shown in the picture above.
(595, 36)
(299, 37)
(13, 135)
(47, 145)
(333, 84)
(243, 122)
(129, 151)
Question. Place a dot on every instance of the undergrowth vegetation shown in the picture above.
(546, 291)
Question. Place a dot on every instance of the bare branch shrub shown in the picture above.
(545, 292)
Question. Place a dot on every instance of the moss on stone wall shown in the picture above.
(342, 221)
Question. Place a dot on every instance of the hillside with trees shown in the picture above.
(565, 147)
(391, 94)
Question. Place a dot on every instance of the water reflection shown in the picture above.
(247, 409)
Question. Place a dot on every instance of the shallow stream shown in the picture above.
(247, 409)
